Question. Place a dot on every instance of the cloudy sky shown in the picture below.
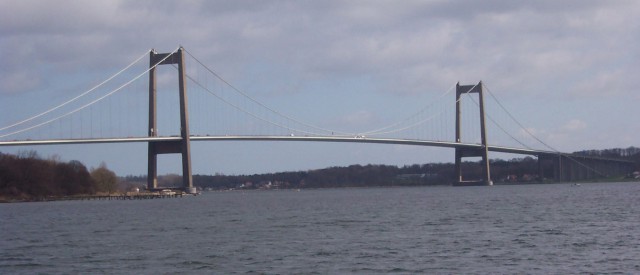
(568, 70)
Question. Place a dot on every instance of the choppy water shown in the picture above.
(559, 228)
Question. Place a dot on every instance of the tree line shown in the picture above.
(517, 169)
(514, 170)
(631, 153)
(26, 176)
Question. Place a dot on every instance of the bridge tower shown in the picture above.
(466, 152)
(181, 146)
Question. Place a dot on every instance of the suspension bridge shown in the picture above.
(124, 108)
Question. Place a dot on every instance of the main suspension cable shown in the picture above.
(539, 140)
(245, 111)
(496, 123)
(424, 120)
(259, 103)
(94, 101)
(516, 121)
(77, 97)
(379, 131)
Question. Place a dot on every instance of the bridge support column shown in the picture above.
(541, 166)
(567, 168)
(182, 146)
(465, 152)
(548, 167)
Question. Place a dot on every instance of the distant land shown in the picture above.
(517, 170)
(27, 177)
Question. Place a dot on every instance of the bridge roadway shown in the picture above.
(566, 167)
(356, 139)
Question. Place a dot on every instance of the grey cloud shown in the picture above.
(403, 45)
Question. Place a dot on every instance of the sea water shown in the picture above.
(541, 228)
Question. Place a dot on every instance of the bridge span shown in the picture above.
(565, 166)
(341, 139)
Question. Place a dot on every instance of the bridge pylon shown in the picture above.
(467, 152)
(182, 146)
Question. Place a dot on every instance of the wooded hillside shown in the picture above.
(28, 177)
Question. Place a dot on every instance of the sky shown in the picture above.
(567, 70)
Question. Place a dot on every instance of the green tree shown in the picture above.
(105, 179)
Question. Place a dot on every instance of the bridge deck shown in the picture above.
(445, 144)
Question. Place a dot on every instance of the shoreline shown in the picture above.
(150, 195)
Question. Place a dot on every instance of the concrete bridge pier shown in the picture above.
(568, 168)
(182, 146)
(462, 152)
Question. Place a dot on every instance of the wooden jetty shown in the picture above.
(137, 196)
(161, 194)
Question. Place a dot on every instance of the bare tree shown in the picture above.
(105, 179)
